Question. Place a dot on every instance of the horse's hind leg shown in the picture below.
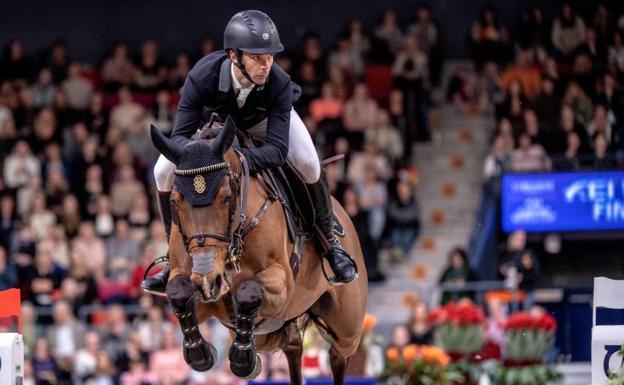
(294, 351)
(338, 365)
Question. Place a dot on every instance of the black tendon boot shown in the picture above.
(341, 263)
(156, 284)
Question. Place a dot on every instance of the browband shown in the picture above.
(201, 170)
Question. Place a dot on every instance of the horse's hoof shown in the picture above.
(247, 372)
(201, 356)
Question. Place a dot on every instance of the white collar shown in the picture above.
(236, 84)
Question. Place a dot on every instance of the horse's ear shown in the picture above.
(169, 148)
(224, 140)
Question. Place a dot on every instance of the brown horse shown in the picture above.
(251, 289)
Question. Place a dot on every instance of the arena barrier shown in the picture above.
(11, 345)
(607, 329)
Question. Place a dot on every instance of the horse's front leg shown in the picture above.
(265, 294)
(198, 353)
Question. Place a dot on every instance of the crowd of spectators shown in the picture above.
(555, 91)
(78, 224)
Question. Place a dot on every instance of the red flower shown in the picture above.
(523, 320)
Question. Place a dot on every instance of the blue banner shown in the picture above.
(576, 201)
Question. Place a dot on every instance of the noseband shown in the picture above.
(233, 238)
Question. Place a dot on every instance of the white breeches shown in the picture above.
(302, 154)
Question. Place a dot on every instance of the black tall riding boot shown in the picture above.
(341, 263)
(157, 283)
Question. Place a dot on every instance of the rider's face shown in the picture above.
(258, 66)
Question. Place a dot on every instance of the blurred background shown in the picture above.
(484, 149)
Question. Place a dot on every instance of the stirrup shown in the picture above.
(333, 281)
(155, 262)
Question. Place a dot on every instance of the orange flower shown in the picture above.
(393, 354)
(434, 355)
(410, 353)
(369, 322)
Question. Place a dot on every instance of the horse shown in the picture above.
(235, 267)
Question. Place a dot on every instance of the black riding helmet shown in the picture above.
(251, 31)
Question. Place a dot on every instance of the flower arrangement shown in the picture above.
(458, 328)
(419, 365)
(529, 336)
(617, 378)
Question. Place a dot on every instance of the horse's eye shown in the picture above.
(227, 199)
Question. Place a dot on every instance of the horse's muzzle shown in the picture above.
(206, 277)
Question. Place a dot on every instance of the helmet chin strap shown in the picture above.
(241, 66)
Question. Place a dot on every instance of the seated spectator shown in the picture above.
(567, 124)
(43, 90)
(616, 53)
(457, 273)
(133, 352)
(122, 251)
(41, 218)
(602, 124)
(105, 371)
(420, 330)
(167, 362)
(150, 69)
(373, 197)
(138, 374)
(369, 158)
(359, 218)
(348, 60)
(66, 336)
(534, 129)
(92, 247)
(359, 114)
(42, 279)
(389, 32)
(328, 106)
(529, 157)
(8, 272)
(547, 104)
(162, 113)
(602, 159)
(77, 88)
(69, 216)
(44, 367)
(571, 159)
(124, 114)
(31, 330)
(403, 217)
(489, 38)
(177, 74)
(399, 340)
(16, 67)
(498, 160)
(56, 189)
(117, 69)
(386, 137)
(568, 32)
(8, 219)
(104, 221)
(525, 72)
(139, 217)
(115, 331)
(576, 97)
(513, 105)
(123, 191)
(85, 362)
(20, 166)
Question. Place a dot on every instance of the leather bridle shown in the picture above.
(233, 237)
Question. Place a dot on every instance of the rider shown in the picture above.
(243, 82)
